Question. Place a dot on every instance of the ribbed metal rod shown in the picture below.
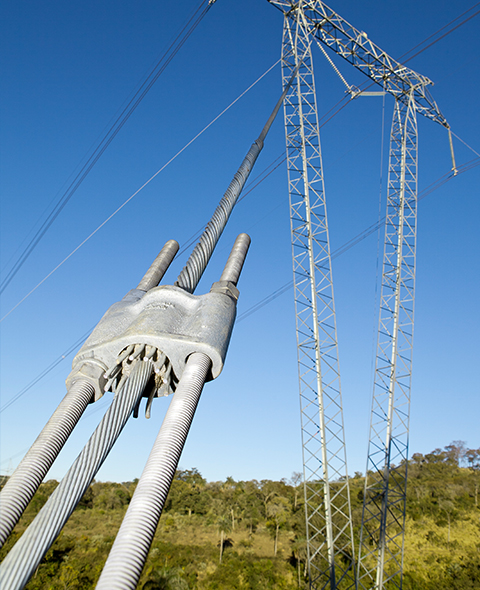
(234, 264)
(159, 266)
(26, 478)
(191, 274)
(129, 552)
(29, 550)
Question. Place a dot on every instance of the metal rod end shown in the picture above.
(235, 261)
(159, 266)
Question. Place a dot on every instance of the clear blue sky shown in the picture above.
(68, 68)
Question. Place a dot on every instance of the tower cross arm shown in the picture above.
(354, 45)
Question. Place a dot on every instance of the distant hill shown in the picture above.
(251, 534)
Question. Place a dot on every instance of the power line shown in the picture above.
(284, 288)
(439, 30)
(466, 144)
(251, 186)
(447, 33)
(324, 123)
(360, 237)
(109, 136)
(136, 193)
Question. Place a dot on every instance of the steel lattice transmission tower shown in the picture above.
(381, 547)
(381, 544)
(327, 498)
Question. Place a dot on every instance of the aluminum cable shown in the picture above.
(130, 549)
(25, 556)
(191, 274)
(26, 478)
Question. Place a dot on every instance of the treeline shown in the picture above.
(251, 534)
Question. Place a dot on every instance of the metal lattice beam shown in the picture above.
(327, 498)
(382, 534)
(329, 28)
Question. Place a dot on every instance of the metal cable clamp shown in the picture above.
(165, 324)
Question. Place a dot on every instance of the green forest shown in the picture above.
(251, 534)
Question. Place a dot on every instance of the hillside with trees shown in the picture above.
(251, 534)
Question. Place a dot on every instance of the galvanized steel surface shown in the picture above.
(159, 266)
(234, 265)
(383, 520)
(329, 532)
(24, 482)
(130, 549)
(27, 553)
(329, 28)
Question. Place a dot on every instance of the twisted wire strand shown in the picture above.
(25, 556)
(190, 276)
(26, 478)
(129, 552)
(192, 272)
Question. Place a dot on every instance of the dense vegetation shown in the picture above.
(250, 534)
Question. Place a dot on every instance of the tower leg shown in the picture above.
(327, 499)
(383, 520)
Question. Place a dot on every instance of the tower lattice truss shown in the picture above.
(327, 498)
(382, 534)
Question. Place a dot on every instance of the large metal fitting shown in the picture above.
(167, 318)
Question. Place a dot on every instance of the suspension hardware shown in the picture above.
(166, 319)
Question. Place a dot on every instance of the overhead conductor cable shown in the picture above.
(22, 561)
(24, 482)
(190, 276)
(129, 553)
(25, 556)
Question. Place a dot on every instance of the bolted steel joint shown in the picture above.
(225, 288)
(93, 371)
(164, 325)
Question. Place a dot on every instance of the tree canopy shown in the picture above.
(251, 534)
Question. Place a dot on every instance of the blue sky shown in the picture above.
(67, 70)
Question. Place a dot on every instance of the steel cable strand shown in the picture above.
(25, 556)
(130, 549)
(190, 276)
(24, 482)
